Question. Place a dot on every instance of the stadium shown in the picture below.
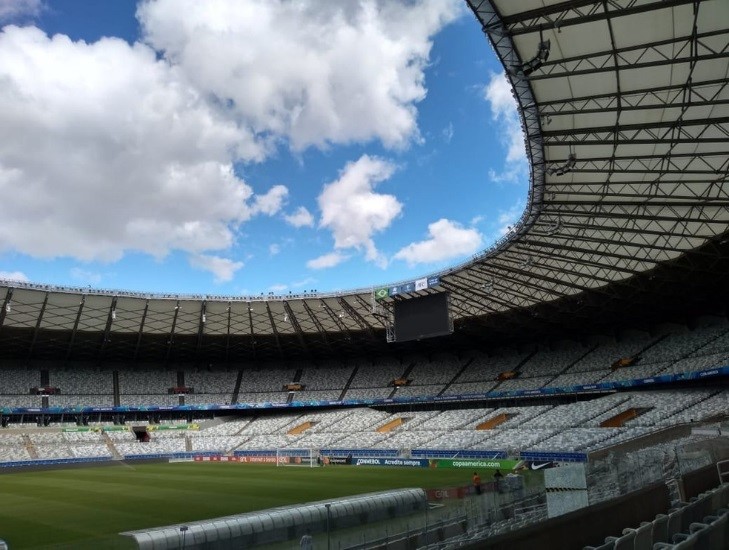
(585, 354)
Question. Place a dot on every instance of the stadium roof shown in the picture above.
(625, 110)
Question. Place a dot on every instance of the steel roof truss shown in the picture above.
(295, 323)
(38, 324)
(71, 340)
(576, 12)
(275, 330)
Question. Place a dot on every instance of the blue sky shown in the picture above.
(250, 146)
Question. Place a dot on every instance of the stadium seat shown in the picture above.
(625, 542)
(607, 545)
(643, 537)
(660, 528)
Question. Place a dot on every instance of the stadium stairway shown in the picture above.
(349, 382)
(110, 445)
(29, 446)
(457, 375)
(236, 389)
(570, 365)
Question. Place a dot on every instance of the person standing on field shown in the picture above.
(477, 483)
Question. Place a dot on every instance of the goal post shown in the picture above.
(298, 457)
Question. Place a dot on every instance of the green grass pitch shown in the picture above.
(86, 508)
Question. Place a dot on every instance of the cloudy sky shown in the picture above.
(250, 146)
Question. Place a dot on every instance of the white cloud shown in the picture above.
(313, 72)
(17, 276)
(327, 260)
(448, 133)
(353, 211)
(271, 202)
(508, 218)
(85, 276)
(274, 249)
(16, 9)
(223, 269)
(278, 288)
(114, 151)
(303, 282)
(446, 240)
(504, 111)
(300, 218)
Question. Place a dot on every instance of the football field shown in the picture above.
(85, 508)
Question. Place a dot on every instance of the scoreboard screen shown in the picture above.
(422, 317)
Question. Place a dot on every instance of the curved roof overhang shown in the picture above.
(625, 111)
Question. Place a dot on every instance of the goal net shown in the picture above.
(298, 457)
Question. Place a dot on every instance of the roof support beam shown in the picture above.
(335, 318)
(227, 336)
(574, 12)
(7, 305)
(171, 337)
(703, 92)
(140, 333)
(107, 329)
(38, 324)
(250, 325)
(71, 341)
(201, 328)
(317, 323)
(352, 312)
(275, 331)
(295, 323)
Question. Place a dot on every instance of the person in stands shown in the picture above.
(477, 483)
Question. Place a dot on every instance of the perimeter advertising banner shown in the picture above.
(242, 459)
(162, 427)
(407, 462)
(476, 463)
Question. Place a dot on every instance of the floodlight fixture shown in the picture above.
(561, 170)
(555, 227)
(488, 286)
(535, 62)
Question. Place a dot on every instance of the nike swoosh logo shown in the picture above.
(539, 466)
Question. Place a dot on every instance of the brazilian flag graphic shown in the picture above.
(381, 293)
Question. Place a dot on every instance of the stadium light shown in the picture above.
(8, 307)
(113, 315)
(204, 318)
(564, 168)
(488, 286)
(535, 62)
(553, 227)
